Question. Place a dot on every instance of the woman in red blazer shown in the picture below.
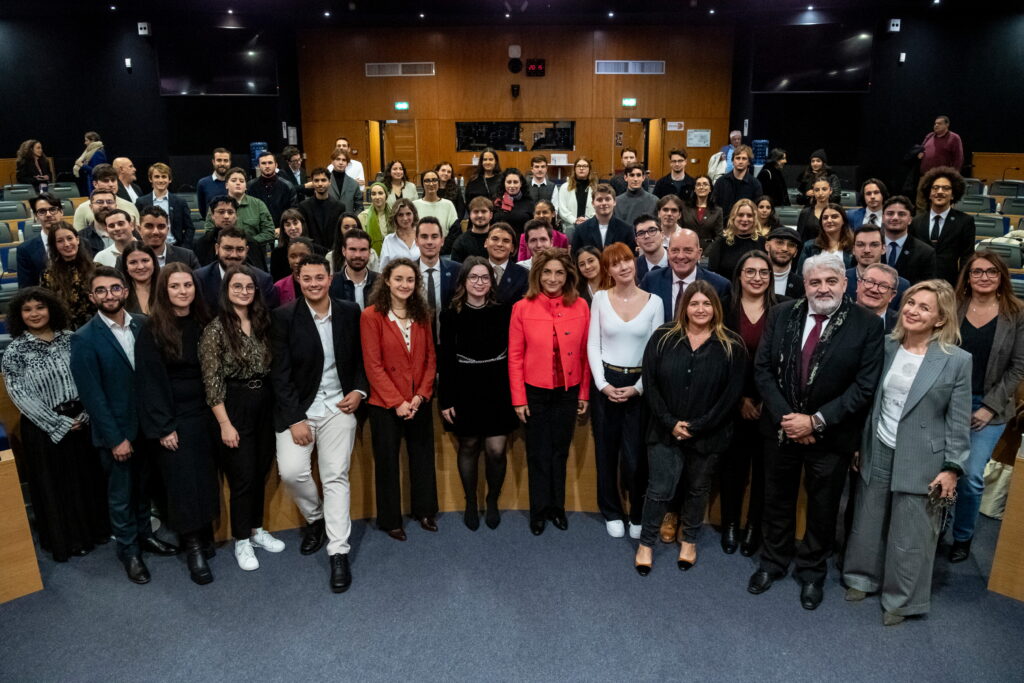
(398, 354)
(549, 378)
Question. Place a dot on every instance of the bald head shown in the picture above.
(125, 170)
(683, 252)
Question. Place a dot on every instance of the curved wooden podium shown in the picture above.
(1007, 576)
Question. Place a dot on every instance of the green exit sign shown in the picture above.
(401, 106)
(628, 101)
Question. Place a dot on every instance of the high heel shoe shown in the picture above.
(471, 517)
(685, 565)
(492, 517)
(642, 569)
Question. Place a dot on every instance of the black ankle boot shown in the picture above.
(960, 550)
(730, 538)
(471, 517)
(492, 517)
(198, 568)
(751, 540)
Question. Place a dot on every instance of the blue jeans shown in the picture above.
(972, 483)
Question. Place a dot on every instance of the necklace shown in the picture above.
(975, 308)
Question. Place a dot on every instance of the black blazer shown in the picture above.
(514, 283)
(665, 187)
(300, 184)
(206, 254)
(794, 283)
(916, 261)
(180, 217)
(32, 262)
(342, 288)
(324, 233)
(807, 224)
(588, 233)
(848, 375)
(209, 285)
(660, 282)
(298, 363)
(176, 254)
(122, 191)
(642, 268)
(956, 242)
(279, 196)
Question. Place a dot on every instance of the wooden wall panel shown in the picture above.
(8, 169)
(990, 167)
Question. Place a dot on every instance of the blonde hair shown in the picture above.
(719, 331)
(730, 225)
(947, 332)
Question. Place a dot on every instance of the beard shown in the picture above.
(111, 306)
(824, 306)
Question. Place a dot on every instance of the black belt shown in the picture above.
(251, 383)
(625, 371)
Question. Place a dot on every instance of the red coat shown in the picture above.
(535, 322)
(395, 374)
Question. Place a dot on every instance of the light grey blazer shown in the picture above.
(1005, 368)
(935, 428)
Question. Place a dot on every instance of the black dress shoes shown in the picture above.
(537, 527)
(397, 534)
(198, 569)
(960, 550)
(492, 517)
(559, 521)
(730, 538)
(152, 544)
(751, 540)
(471, 517)
(760, 581)
(430, 524)
(341, 575)
(811, 594)
(136, 569)
(313, 537)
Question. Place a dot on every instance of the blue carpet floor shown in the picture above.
(498, 606)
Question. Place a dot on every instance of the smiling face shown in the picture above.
(649, 237)
(321, 183)
(37, 149)
(431, 182)
(920, 313)
(875, 289)
(160, 181)
(984, 277)
(755, 275)
(429, 240)
(140, 266)
(941, 194)
(824, 288)
(700, 312)
(221, 163)
(513, 184)
(537, 240)
(816, 164)
(296, 252)
(831, 223)
(543, 210)
(744, 220)
(401, 283)
(478, 282)
(553, 277)
(108, 294)
(489, 162)
(623, 272)
(181, 291)
(35, 315)
(378, 196)
(702, 188)
(588, 265)
(480, 218)
(498, 246)
(314, 282)
(231, 251)
(404, 218)
(67, 243)
(604, 204)
(119, 227)
(397, 171)
(242, 289)
(781, 251)
(897, 219)
(292, 227)
(445, 173)
(683, 253)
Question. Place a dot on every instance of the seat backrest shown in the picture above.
(848, 199)
(973, 187)
(989, 226)
(13, 210)
(1010, 188)
(788, 215)
(31, 230)
(977, 204)
(17, 194)
(1010, 253)
(190, 199)
(11, 266)
(1018, 286)
(1014, 205)
(64, 190)
(5, 234)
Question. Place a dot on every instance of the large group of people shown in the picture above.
(706, 343)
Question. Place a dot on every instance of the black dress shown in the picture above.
(172, 398)
(473, 371)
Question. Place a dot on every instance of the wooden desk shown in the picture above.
(1007, 576)
(19, 569)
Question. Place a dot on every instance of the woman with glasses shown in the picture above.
(992, 331)
(576, 200)
(69, 273)
(700, 213)
(432, 204)
(742, 233)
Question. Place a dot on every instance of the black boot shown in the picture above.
(471, 517)
(730, 538)
(492, 516)
(751, 540)
(960, 550)
(198, 569)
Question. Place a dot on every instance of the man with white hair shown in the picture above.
(817, 368)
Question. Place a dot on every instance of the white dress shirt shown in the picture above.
(123, 335)
(329, 392)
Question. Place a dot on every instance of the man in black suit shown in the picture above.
(103, 365)
(354, 281)
(294, 173)
(438, 274)
(153, 230)
(231, 250)
(669, 283)
(912, 258)
(817, 368)
(677, 182)
(321, 210)
(604, 228)
(319, 384)
(513, 280)
(782, 245)
(618, 181)
(278, 194)
(653, 254)
(949, 231)
(178, 214)
(877, 287)
(32, 259)
(224, 213)
(127, 188)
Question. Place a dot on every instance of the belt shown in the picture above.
(625, 371)
(465, 360)
(252, 383)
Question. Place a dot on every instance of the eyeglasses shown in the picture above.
(238, 287)
(978, 273)
(104, 202)
(478, 278)
(880, 286)
(46, 212)
(649, 232)
(101, 292)
(751, 273)
(942, 188)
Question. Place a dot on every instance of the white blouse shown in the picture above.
(393, 247)
(617, 342)
(895, 388)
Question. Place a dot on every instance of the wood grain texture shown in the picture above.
(19, 569)
(989, 166)
(1007, 577)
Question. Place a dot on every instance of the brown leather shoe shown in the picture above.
(397, 534)
(669, 527)
(428, 523)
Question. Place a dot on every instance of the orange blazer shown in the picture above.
(395, 374)
(531, 347)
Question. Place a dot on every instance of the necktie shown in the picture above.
(498, 272)
(872, 219)
(431, 295)
(936, 226)
(811, 344)
(680, 286)
(894, 252)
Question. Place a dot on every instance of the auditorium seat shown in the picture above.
(974, 187)
(1012, 205)
(1006, 188)
(190, 199)
(1018, 286)
(794, 194)
(1010, 253)
(990, 225)
(13, 209)
(977, 204)
(5, 234)
(64, 190)
(848, 199)
(15, 193)
(30, 230)
(788, 215)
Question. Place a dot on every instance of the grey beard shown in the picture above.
(822, 308)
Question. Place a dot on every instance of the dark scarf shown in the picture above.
(788, 374)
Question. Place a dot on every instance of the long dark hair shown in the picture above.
(480, 163)
(773, 220)
(64, 271)
(460, 296)
(452, 189)
(162, 319)
(289, 214)
(122, 265)
(845, 233)
(58, 311)
(726, 337)
(231, 324)
(1009, 304)
(691, 201)
(380, 296)
(769, 297)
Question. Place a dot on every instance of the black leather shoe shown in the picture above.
(152, 544)
(430, 524)
(313, 537)
(492, 517)
(811, 595)
(559, 521)
(471, 517)
(960, 550)
(397, 534)
(730, 538)
(760, 581)
(537, 527)
(751, 540)
(136, 569)
(198, 569)
(341, 575)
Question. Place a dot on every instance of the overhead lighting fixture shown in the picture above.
(507, 15)
(231, 11)
(711, 11)
(251, 53)
(611, 15)
(327, 13)
(810, 8)
(113, 8)
(424, 16)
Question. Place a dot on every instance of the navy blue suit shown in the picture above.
(660, 282)
(449, 276)
(209, 286)
(642, 268)
(31, 262)
(106, 385)
(342, 288)
(855, 217)
(179, 217)
(588, 233)
(514, 283)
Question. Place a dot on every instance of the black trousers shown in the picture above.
(824, 476)
(745, 455)
(388, 430)
(549, 430)
(675, 467)
(126, 498)
(619, 450)
(246, 467)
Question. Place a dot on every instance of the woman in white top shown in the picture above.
(915, 445)
(398, 183)
(622, 319)
(433, 205)
(576, 200)
(401, 243)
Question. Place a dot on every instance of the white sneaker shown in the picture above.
(615, 528)
(634, 530)
(246, 556)
(261, 538)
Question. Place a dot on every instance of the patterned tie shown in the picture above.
(894, 252)
(498, 272)
(872, 219)
(811, 344)
(936, 227)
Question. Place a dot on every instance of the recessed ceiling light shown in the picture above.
(507, 15)
(251, 53)
(711, 11)
(424, 16)
(327, 12)
(810, 8)
(611, 15)
(231, 11)
(113, 8)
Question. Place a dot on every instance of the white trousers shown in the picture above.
(333, 436)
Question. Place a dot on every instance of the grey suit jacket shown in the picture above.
(935, 428)
(1005, 365)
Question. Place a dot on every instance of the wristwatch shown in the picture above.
(818, 424)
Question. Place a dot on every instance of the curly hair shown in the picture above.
(58, 311)
(924, 187)
(380, 296)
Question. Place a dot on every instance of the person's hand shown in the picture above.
(681, 431)
(122, 451)
(228, 434)
(947, 482)
(797, 426)
(749, 410)
(611, 392)
(76, 425)
(416, 402)
(523, 412)
(855, 462)
(404, 410)
(980, 418)
(581, 219)
(449, 415)
(920, 155)
(350, 403)
(170, 442)
(805, 440)
(301, 434)
(626, 393)
(581, 407)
